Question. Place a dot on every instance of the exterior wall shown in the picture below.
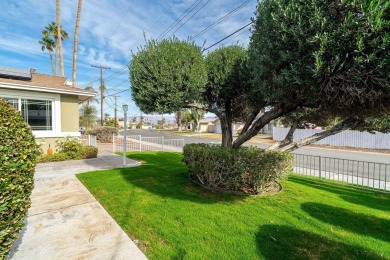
(235, 128)
(69, 113)
(211, 128)
(203, 127)
(44, 143)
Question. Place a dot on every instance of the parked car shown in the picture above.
(82, 130)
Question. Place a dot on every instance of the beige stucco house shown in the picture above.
(48, 104)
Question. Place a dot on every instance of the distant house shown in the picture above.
(235, 126)
(267, 129)
(207, 125)
(47, 103)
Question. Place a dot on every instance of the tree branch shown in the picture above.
(217, 112)
(250, 120)
(343, 125)
(259, 123)
(287, 140)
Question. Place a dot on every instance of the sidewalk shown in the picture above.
(66, 222)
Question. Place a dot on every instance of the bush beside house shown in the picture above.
(69, 149)
(248, 170)
(104, 133)
(17, 165)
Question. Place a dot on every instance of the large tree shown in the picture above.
(76, 35)
(59, 36)
(225, 86)
(165, 76)
(88, 115)
(308, 60)
(51, 30)
(329, 56)
(48, 44)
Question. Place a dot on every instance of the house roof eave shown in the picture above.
(82, 94)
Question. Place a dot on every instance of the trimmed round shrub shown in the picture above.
(104, 133)
(18, 152)
(248, 170)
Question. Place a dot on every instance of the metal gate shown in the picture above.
(145, 143)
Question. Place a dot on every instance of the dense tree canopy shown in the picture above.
(307, 61)
(167, 75)
(322, 53)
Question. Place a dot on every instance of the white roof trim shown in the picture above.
(46, 89)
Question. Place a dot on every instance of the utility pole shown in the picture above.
(115, 120)
(101, 90)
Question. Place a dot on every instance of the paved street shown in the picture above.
(332, 153)
(340, 165)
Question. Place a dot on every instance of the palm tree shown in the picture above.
(58, 11)
(51, 29)
(49, 45)
(76, 32)
(91, 99)
(88, 115)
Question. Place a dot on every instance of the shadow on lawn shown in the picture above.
(351, 221)
(366, 198)
(166, 176)
(284, 242)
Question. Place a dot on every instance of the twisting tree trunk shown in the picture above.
(58, 11)
(76, 33)
(344, 125)
(226, 126)
(288, 140)
(51, 63)
(178, 115)
(259, 123)
(249, 121)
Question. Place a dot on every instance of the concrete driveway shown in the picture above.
(66, 222)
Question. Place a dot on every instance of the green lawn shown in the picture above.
(174, 219)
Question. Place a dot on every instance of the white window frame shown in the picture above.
(56, 109)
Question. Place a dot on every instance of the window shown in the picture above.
(37, 113)
(13, 101)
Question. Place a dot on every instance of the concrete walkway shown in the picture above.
(66, 222)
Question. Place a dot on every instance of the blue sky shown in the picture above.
(109, 31)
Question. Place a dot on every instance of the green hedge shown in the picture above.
(248, 170)
(84, 152)
(17, 165)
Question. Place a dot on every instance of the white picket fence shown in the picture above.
(88, 140)
(346, 138)
(144, 143)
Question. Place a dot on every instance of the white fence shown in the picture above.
(346, 138)
(88, 140)
(360, 174)
(144, 143)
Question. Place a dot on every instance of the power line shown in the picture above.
(190, 17)
(178, 20)
(223, 18)
(116, 28)
(228, 36)
(118, 92)
(241, 33)
(101, 89)
(108, 104)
